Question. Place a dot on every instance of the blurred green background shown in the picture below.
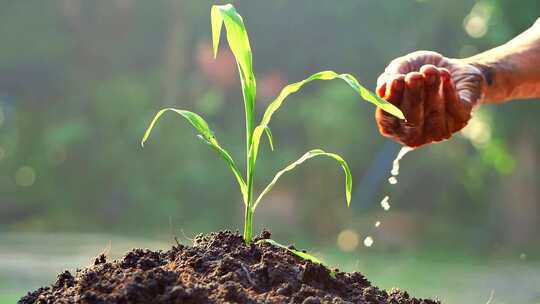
(80, 81)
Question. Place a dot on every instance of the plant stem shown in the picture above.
(248, 225)
(250, 170)
(248, 217)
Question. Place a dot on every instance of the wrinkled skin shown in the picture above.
(436, 94)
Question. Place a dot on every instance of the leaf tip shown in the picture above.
(400, 115)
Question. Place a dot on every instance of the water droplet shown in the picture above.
(395, 163)
(385, 204)
(392, 180)
(368, 241)
(348, 240)
(377, 224)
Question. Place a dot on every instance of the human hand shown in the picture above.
(435, 93)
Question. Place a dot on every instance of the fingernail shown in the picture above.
(414, 80)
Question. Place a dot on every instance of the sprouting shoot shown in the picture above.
(237, 38)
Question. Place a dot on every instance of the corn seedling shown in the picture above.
(237, 38)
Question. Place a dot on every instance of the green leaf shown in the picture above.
(308, 155)
(329, 75)
(298, 253)
(195, 120)
(269, 135)
(294, 87)
(238, 40)
(206, 134)
(216, 21)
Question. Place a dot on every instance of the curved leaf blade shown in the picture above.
(238, 40)
(206, 134)
(216, 22)
(295, 87)
(194, 119)
(237, 36)
(306, 156)
(270, 137)
(329, 75)
(298, 253)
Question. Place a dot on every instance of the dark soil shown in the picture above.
(218, 268)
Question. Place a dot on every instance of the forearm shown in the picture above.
(512, 70)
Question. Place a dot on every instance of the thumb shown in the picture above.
(468, 82)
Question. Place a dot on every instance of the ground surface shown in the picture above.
(218, 268)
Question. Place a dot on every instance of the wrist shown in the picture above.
(497, 75)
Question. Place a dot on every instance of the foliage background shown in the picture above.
(80, 80)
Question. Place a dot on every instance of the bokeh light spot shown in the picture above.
(475, 26)
(348, 240)
(476, 22)
(25, 176)
(478, 131)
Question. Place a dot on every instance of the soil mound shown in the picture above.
(218, 268)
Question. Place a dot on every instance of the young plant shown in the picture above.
(238, 40)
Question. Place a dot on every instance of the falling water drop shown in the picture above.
(395, 163)
(385, 204)
(368, 241)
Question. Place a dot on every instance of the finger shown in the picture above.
(413, 98)
(412, 106)
(399, 65)
(468, 84)
(387, 123)
(431, 74)
(445, 74)
(394, 89)
(432, 80)
(384, 83)
(413, 62)
(459, 113)
(381, 89)
(434, 114)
